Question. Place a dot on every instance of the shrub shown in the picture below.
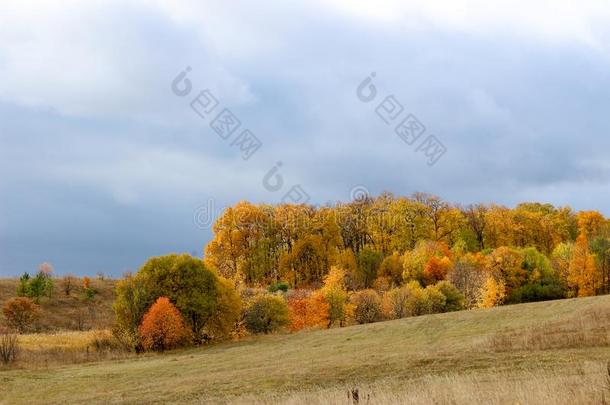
(9, 347)
(279, 286)
(436, 269)
(454, 299)
(368, 306)
(308, 310)
(20, 313)
(413, 300)
(434, 300)
(266, 314)
(417, 300)
(209, 304)
(392, 267)
(162, 327)
(396, 303)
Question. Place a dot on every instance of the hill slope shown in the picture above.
(69, 312)
(542, 352)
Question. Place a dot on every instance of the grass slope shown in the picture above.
(558, 345)
(73, 312)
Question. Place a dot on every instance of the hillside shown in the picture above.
(548, 352)
(69, 312)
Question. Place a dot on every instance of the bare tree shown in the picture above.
(68, 283)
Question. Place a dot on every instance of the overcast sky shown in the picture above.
(102, 165)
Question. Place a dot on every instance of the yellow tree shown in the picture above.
(306, 263)
(500, 227)
(582, 273)
(504, 264)
(412, 223)
(590, 223)
(493, 293)
(335, 295)
(241, 246)
(446, 220)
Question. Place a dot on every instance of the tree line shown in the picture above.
(298, 266)
(388, 241)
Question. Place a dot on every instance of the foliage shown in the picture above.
(368, 261)
(385, 241)
(279, 286)
(454, 299)
(162, 327)
(468, 277)
(392, 268)
(368, 306)
(209, 304)
(20, 313)
(582, 273)
(493, 293)
(335, 295)
(266, 314)
(36, 287)
(87, 289)
(436, 269)
(307, 310)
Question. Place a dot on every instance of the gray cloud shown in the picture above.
(102, 166)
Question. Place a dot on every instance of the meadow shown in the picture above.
(547, 352)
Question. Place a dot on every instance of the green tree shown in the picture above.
(266, 314)
(454, 299)
(206, 301)
(368, 263)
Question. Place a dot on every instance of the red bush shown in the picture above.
(162, 327)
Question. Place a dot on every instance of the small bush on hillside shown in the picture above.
(20, 313)
(88, 290)
(413, 300)
(162, 327)
(454, 299)
(266, 314)
(368, 306)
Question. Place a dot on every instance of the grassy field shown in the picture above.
(62, 312)
(550, 352)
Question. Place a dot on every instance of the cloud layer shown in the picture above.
(103, 166)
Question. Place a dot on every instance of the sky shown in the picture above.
(108, 156)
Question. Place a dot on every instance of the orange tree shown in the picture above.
(162, 327)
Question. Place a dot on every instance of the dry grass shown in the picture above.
(443, 358)
(588, 386)
(45, 350)
(591, 328)
(61, 312)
